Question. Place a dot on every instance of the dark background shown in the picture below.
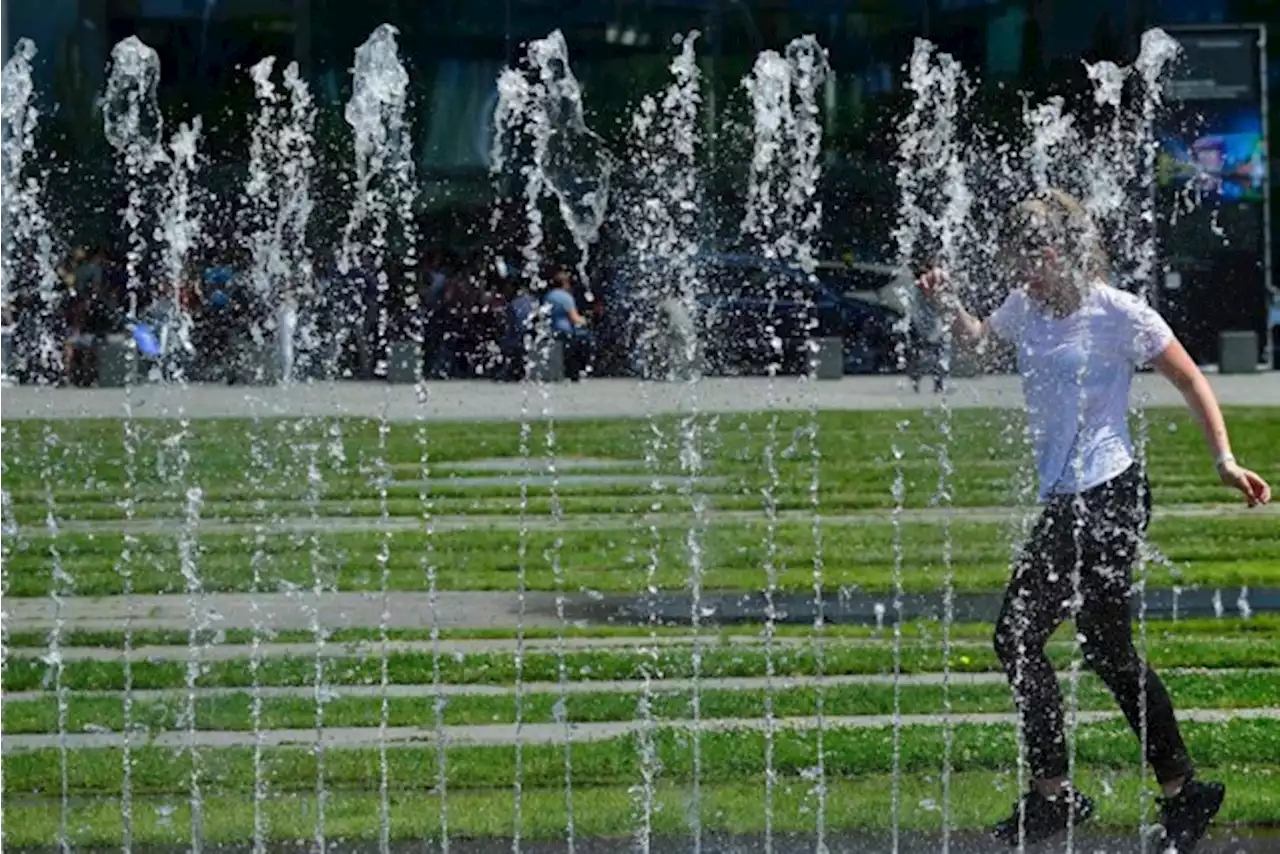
(620, 50)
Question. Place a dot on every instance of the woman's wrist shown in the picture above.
(1223, 459)
(947, 303)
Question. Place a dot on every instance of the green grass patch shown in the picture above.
(24, 673)
(1220, 552)
(237, 462)
(919, 629)
(858, 803)
(234, 712)
(725, 757)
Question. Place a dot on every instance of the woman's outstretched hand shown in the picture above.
(1256, 490)
(935, 285)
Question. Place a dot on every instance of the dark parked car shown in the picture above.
(751, 312)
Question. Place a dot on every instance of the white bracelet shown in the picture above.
(1223, 459)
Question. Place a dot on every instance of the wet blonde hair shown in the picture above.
(1054, 217)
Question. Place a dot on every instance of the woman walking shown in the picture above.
(1078, 342)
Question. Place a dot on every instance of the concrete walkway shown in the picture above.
(543, 733)
(598, 398)
(632, 643)
(372, 648)
(304, 610)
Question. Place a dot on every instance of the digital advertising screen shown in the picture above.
(1219, 152)
(1213, 187)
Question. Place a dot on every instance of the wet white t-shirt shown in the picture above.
(1076, 375)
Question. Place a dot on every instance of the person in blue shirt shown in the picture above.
(521, 310)
(562, 308)
(567, 323)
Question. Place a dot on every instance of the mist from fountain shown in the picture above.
(28, 251)
(132, 125)
(26, 231)
(781, 220)
(376, 113)
(934, 169)
(662, 232)
(256, 201)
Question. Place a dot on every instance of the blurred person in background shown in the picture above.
(567, 324)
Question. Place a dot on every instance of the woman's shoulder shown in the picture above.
(1118, 300)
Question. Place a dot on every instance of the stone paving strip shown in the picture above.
(620, 686)
(544, 733)
(373, 649)
(301, 609)
(587, 522)
(505, 610)
(452, 400)
(458, 648)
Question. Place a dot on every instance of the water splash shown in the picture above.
(646, 793)
(133, 126)
(781, 219)
(574, 160)
(197, 623)
(297, 160)
(553, 555)
(9, 534)
(382, 481)
(61, 585)
(27, 253)
(277, 204)
(809, 68)
(899, 493)
(319, 586)
(260, 467)
(179, 233)
(513, 99)
(662, 225)
(1156, 56)
(384, 173)
(1053, 133)
(947, 91)
(539, 116)
(935, 207)
(660, 232)
(769, 88)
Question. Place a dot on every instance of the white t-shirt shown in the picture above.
(1076, 375)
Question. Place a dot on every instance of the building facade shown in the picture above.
(620, 51)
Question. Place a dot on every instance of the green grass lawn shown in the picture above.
(1210, 552)
(24, 673)
(854, 803)
(250, 470)
(912, 630)
(725, 757)
(234, 712)
(237, 461)
(728, 762)
(257, 471)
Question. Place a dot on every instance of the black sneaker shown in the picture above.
(1186, 816)
(1039, 817)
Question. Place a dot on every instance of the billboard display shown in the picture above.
(1213, 182)
(1215, 140)
(1222, 155)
